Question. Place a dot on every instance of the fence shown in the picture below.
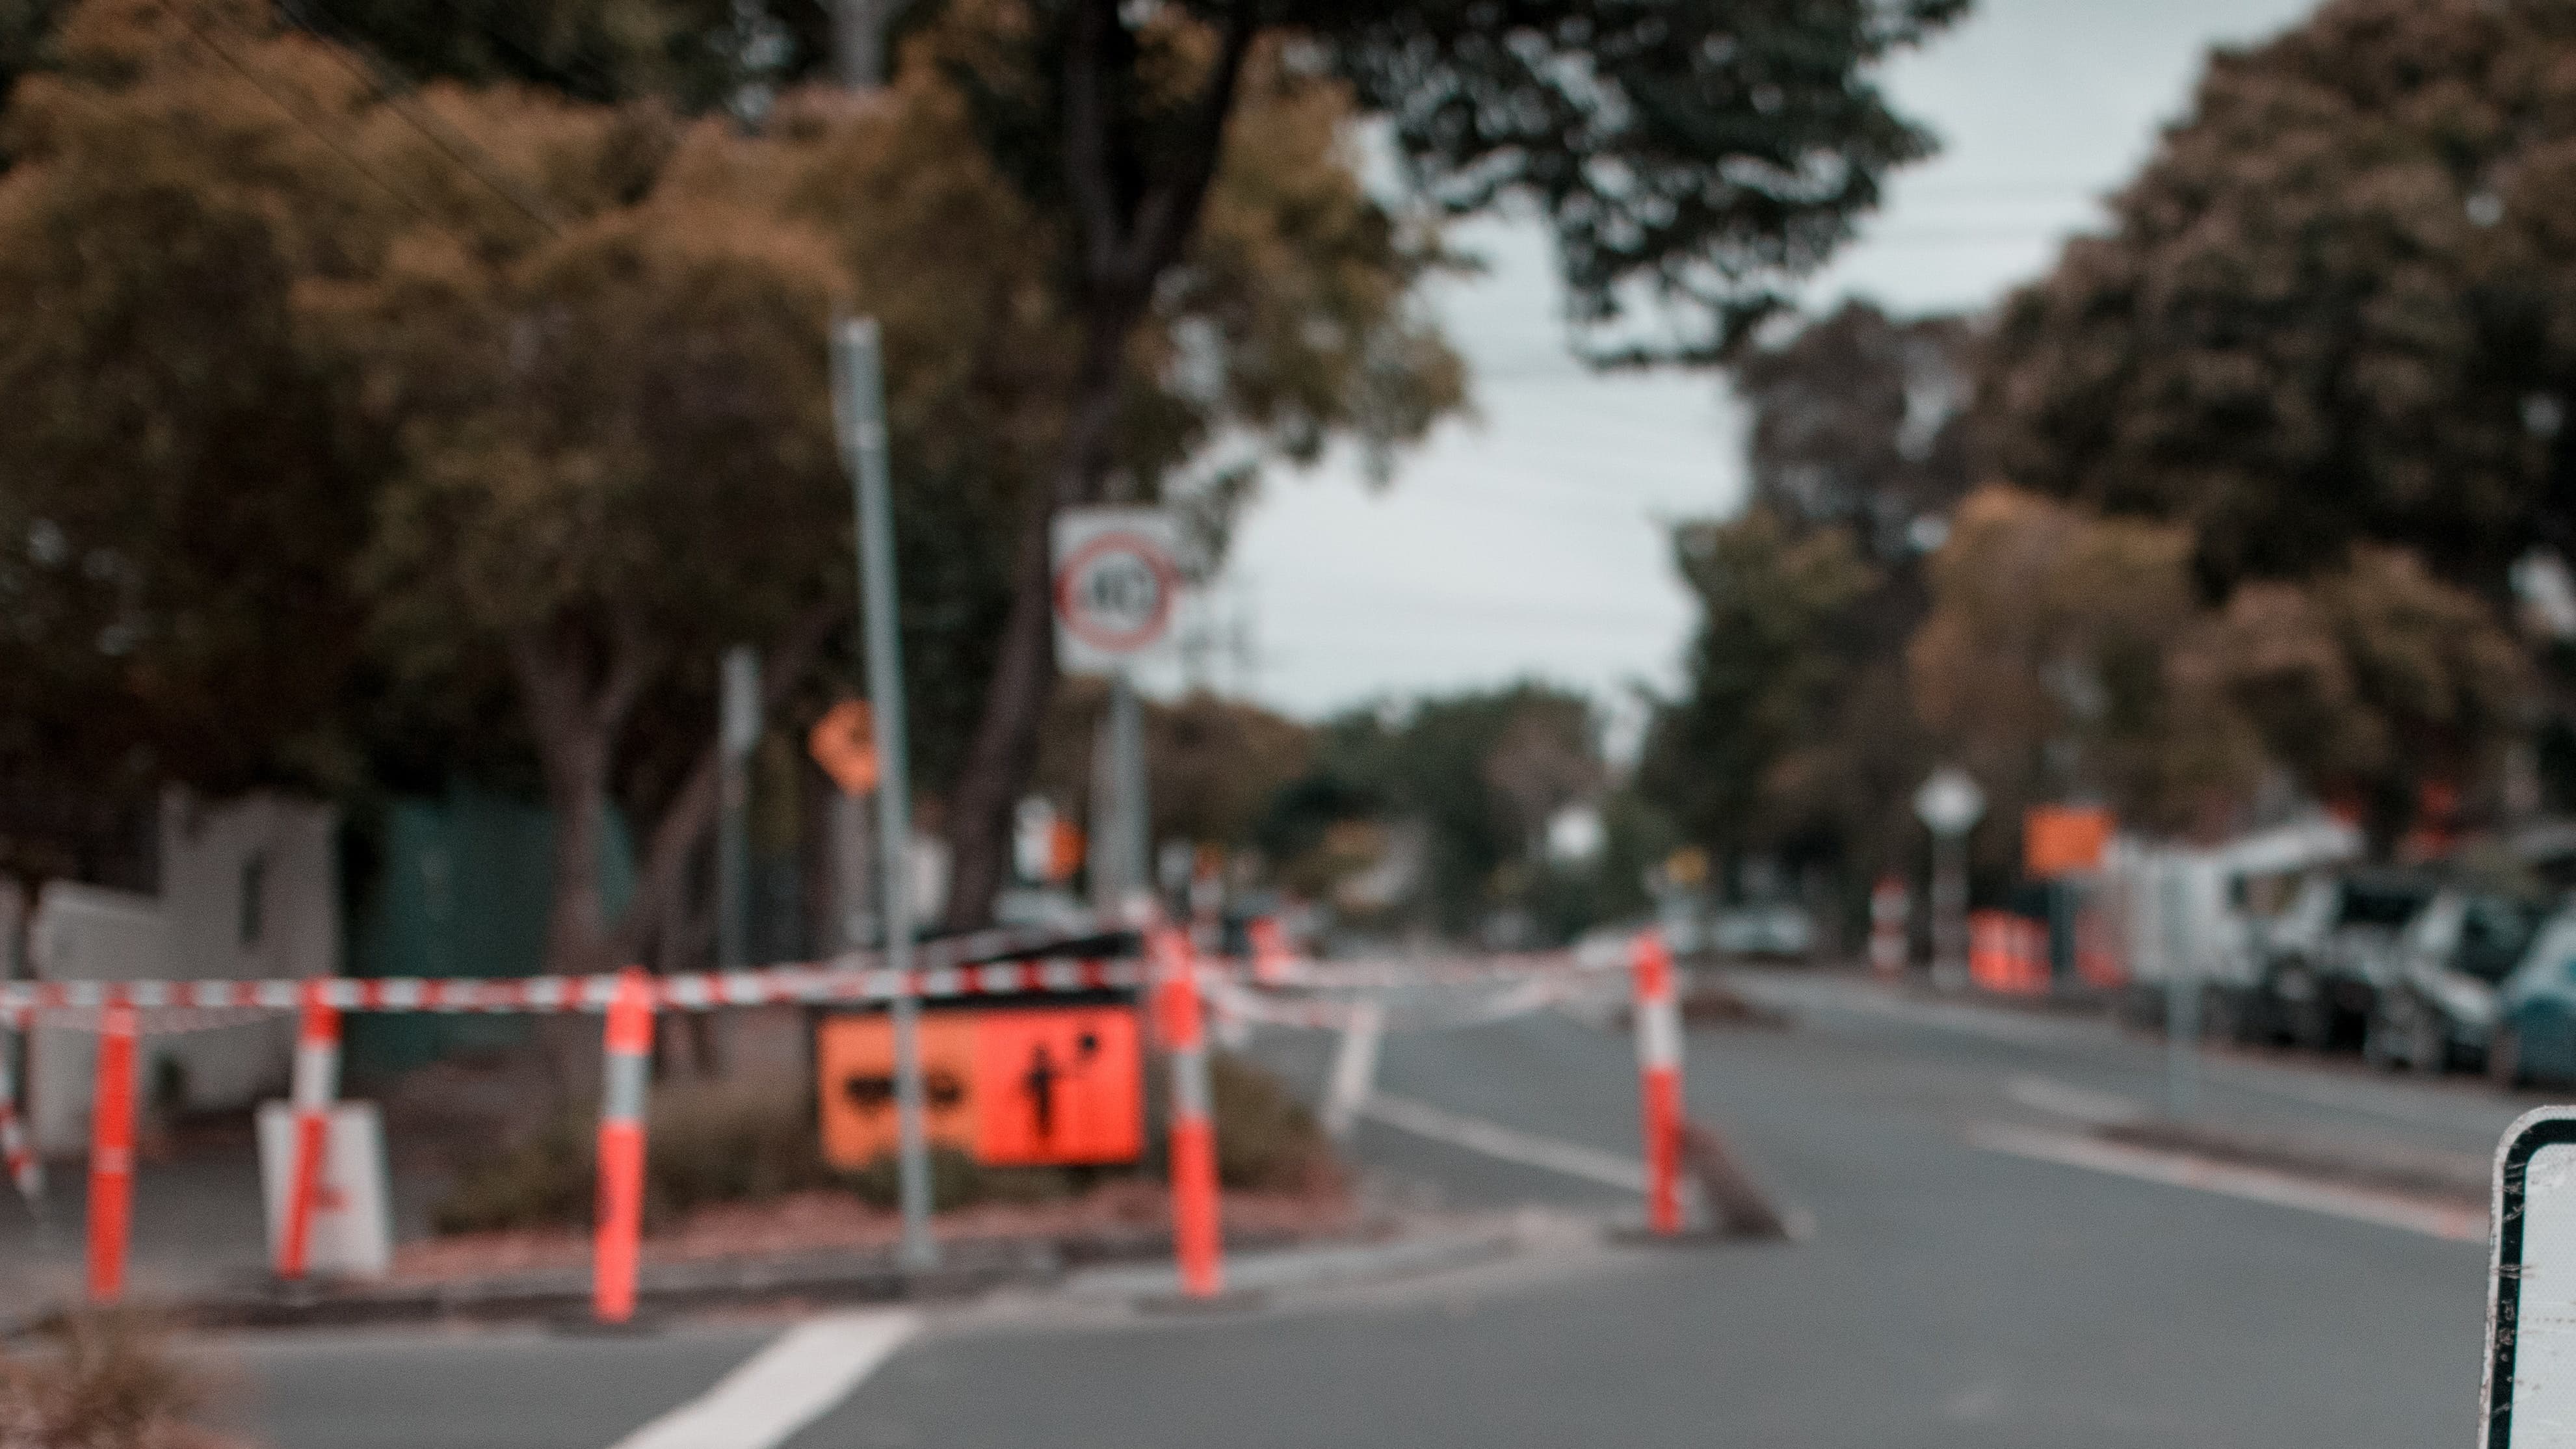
(1184, 990)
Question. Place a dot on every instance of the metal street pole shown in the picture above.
(1949, 909)
(738, 731)
(1118, 815)
(859, 394)
(2182, 996)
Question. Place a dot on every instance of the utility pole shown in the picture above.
(858, 43)
(859, 396)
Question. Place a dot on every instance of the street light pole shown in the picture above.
(859, 392)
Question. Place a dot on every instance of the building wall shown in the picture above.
(249, 888)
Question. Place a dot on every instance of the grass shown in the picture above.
(104, 1381)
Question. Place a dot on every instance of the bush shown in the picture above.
(1266, 1140)
(104, 1384)
(755, 1140)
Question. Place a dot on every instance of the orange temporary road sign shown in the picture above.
(2063, 839)
(844, 743)
(1058, 1085)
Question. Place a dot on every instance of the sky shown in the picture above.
(1531, 540)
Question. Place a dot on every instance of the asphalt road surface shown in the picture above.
(1951, 1293)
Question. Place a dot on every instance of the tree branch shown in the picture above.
(1086, 143)
(1169, 213)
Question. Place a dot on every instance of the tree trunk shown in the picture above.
(1005, 749)
(574, 722)
(1129, 240)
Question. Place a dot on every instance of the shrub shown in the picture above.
(1266, 1140)
(755, 1140)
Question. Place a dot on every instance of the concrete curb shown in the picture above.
(1252, 1277)
(968, 1269)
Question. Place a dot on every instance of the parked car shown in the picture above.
(2328, 956)
(2440, 1008)
(1772, 929)
(2535, 1034)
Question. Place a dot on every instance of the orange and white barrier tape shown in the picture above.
(316, 1083)
(111, 1156)
(1195, 1228)
(1659, 1070)
(65, 1002)
(1231, 999)
(618, 1241)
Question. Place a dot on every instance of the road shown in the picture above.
(1951, 1294)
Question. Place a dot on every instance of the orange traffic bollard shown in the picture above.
(317, 1081)
(111, 1153)
(621, 1148)
(1659, 1069)
(1195, 1230)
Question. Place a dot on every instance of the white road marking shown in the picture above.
(784, 1387)
(1354, 1066)
(1495, 1140)
(2081, 1104)
(2431, 1217)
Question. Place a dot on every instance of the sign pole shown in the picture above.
(1949, 804)
(2182, 997)
(860, 389)
(738, 731)
(1127, 768)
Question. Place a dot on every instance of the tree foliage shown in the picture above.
(527, 396)
(2335, 306)
(1739, 761)
(1473, 780)
(2070, 656)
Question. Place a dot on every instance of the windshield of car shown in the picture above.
(2493, 934)
(2380, 905)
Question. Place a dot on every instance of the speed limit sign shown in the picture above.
(1117, 580)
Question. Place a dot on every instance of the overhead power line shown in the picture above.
(392, 88)
(298, 114)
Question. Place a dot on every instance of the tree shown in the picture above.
(1477, 776)
(1739, 761)
(1858, 422)
(2070, 656)
(1699, 154)
(2335, 306)
(177, 503)
(562, 366)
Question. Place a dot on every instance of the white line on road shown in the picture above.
(2432, 1218)
(1354, 1066)
(2063, 1099)
(1495, 1140)
(784, 1387)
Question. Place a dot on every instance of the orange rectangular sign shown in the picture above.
(2063, 839)
(1056, 1085)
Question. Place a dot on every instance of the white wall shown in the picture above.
(249, 888)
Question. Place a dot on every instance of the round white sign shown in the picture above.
(1115, 591)
(1949, 801)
